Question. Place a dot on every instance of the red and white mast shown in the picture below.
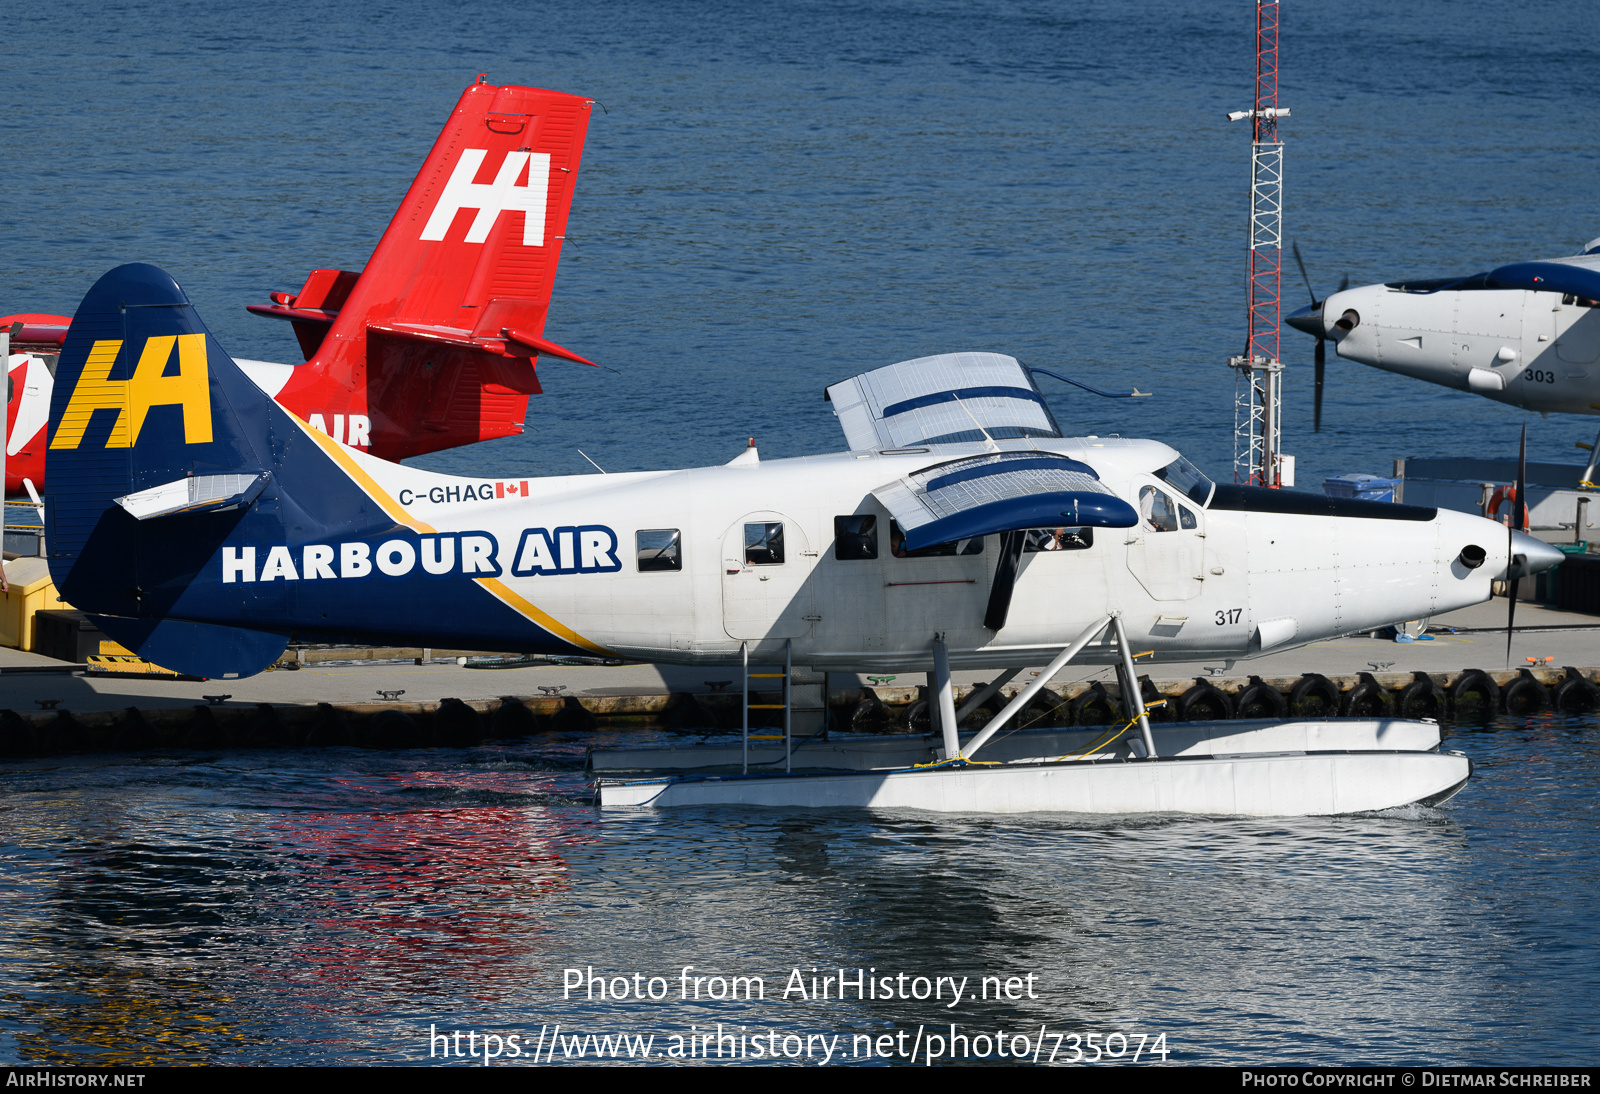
(1258, 397)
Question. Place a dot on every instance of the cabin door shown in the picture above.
(766, 561)
(1166, 550)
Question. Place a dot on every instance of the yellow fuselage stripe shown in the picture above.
(494, 585)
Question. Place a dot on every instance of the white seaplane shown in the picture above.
(1526, 334)
(203, 525)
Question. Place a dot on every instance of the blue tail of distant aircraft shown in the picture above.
(174, 483)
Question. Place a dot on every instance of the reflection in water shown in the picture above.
(395, 904)
(329, 906)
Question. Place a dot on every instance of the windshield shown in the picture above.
(1187, 478)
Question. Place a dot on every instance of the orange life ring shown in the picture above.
(1503, 494)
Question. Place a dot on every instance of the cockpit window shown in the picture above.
(1058, 539)
(1188, 480)
(1157, 512)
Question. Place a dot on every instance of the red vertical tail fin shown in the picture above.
(433, 345)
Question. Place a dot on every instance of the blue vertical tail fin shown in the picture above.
(160, 449)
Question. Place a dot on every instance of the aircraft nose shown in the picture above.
(1308, 319)
(1539, 556)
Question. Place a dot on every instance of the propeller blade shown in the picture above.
(1517, 561)
(1321, 359)
(1298, 261)
(1344, 282)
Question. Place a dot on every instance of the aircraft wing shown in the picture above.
(1000, 492)
(1578, 276)
(945, 399)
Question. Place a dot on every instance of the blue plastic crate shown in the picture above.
(1364, 487)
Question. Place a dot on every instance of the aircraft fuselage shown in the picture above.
(1535, 350)
(776, 551)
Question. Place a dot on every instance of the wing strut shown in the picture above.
(1005, 579)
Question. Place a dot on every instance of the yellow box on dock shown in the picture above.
(127, 664)
(31, 592)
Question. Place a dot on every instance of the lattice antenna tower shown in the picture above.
(1258, 391)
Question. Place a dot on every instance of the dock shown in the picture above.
(340, 696)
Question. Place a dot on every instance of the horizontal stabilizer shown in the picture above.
(197, 649)
(1002, 492)
(36, 331)
(293, 314)
(507, 343)
(945, 399)
(195, 494)
(542, 347)
(313, 309)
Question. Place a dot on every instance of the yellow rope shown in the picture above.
(961, 759)
(1105, 741)
(958, 760)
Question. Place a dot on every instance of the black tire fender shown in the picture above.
(1046, 710)
(1368, 699)
(1204, 702)
(1260, 699)
(871, 716)
(1313, 695)
(1524, 695)
(1474, 692)
(1422, 698)
(1094, 706)
(1575, 693)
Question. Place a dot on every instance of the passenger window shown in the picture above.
(897, 546)
(855, 537)
(763, 544)
(1058, 539)
(659, 549)
(1157, 513)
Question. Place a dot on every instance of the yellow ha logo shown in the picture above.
(133, 398)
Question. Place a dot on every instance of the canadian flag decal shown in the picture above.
(511, 489)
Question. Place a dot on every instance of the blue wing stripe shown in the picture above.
(962, 393)
(1006, 467)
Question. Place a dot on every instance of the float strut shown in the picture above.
(788, 681)
(1131, 697)
(945, 697)
(744, 647)
(1025, 696)
(983, 694)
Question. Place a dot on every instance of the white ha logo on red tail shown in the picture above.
(493, 198)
